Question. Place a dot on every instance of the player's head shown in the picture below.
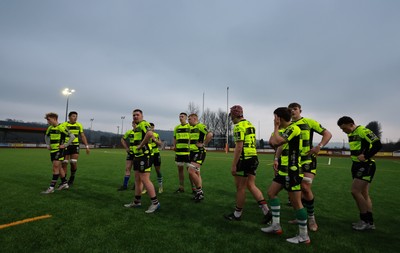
(183, 117)
(293, 105)
(52, 118)
(137, 115)
(295, 109)
(236, 112)
(193, 119)
(72, 116)
(346, 124)
(283, 113)
(152, 126)
(52, 115)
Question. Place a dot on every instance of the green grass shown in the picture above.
(90, 216)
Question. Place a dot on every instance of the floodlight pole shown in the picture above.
(122, 124)
(91, 123)
(67, 92)
(66, 109)
(227, 120)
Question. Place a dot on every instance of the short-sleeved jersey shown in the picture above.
(129, 137)
(308, 127)
(244, 131)
(57, 135)
(154, 146)
(139, 133)
(360, 141)
(76, 129)
(182, 137)
(290, 157)
(198, 134)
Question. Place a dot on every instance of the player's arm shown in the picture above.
(174, 144)
(84, 140)
(276, 139)
(157, 141)
(47, 141)
(125, 145)
(208, 138)
(326, 137)
(145, 141)
(278, 154)
(376, 145)
(236, 156)
(71, 138)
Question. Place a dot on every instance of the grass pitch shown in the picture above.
(90, 217)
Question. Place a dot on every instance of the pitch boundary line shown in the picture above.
(25, 221)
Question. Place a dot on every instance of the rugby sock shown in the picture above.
(63, 180)
(54, 180)
(199, 190)
(238, 212)
(364, 217)
(275, 209)
(154, 200)
(309, 205)
(73, 172)
(159, 178)
(126, 179)
(301, 216)
(263, 205)
(138, 199)
(370, 218)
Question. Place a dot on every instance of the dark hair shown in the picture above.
(345, 120)
(184, 113)
(73, 112)
(284, 113)
(293, 105)
(152, 124)
(138, 110)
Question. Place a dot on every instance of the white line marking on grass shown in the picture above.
(25, 221)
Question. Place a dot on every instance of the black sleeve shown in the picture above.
(376, 146)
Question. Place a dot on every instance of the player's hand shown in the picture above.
(277, 121)
(361, 158)
(275, 166)
(233, 171)
(314, 151)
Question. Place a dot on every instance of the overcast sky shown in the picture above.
(334, 57)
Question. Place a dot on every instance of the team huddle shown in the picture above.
(295, 163)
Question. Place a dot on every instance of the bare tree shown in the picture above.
(193, 108)
(375, 127)
(208, 119)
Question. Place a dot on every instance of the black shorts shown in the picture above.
(72, 149)
(182, 158)
(142, 163)
(58, 155)
(156, 159)
(247, 167)
(363, 170)
(309, 167)
(129, 156)
(290, 182)
(198, 157)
